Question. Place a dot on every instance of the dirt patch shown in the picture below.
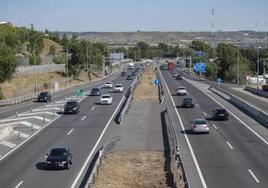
(146, 90)
(129, 169)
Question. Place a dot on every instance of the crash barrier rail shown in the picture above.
(160, 89)
(257, 92)
(128, 97)
(247, 108)
(175, 152)
(101, 153)
(25, 98)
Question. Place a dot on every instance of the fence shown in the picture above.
(23, 70)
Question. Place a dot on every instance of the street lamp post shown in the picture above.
(35, 76)
(238, 71)
(258, 67)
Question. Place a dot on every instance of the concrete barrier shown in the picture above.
(255, 91)
(252, 111)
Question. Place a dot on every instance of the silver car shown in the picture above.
(200, 126)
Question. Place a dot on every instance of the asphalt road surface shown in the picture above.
(26, 166)
(231, 155)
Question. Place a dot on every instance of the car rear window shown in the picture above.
(200, 122)
(58, 152)
(106, 97)
(221, 111)
(118, 86)
(71, 103)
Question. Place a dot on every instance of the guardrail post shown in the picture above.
(55, 102)
(16, 114)
(45, 105)
(31, 109)
(44, 119)
(31, 127)
(65, 98)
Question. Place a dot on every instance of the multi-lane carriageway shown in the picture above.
(233, 154)
(25, 167)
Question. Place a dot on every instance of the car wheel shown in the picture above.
(67, 166)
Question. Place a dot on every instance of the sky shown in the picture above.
(133, 15)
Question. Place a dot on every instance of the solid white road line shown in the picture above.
(205, 114)
(187, 139)
(95, 146)
(23, 118)
(254, 132)
(70, 132)
(215, 126)
(253, 175)
(197, 105)
(163, 100)
(230, 146)
(8, 144)
(84, 118)
(19, 184)
(93, 107)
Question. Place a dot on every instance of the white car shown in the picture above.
(106, 99)
(200, 126)
(118, 88)
(108, 85)
(181, 91)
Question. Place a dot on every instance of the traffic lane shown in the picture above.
(259, 103)
(241, 138)
(11, 110)
(236, 159)
(67, 123)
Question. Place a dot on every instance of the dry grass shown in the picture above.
(146, 90)
(47, 44)
(132, 169)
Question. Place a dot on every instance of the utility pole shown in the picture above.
(35, 76)
(67, 66)
(238, 76)
(258, 60)
(103, 66)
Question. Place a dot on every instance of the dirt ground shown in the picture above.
(132, 169)
(146, 90)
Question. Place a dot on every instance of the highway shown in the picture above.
(81, 133)
(231, 155)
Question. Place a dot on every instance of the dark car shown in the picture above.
(133, 74)
(71, 106)
(95, 91)
(188, 102)
(124, 73)
(44, 97)
(129, 77)
(59, 158)
(179, 77)
(220, 114)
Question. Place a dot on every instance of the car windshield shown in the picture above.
(95, 89)
(188, 99)
(71, 103)
(200, 122)
(43, 94)
(58, 152)
(108, 82)
(181, 88)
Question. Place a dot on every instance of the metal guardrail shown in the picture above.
(25, 98)
(128, 97)
(257, 114)
(106, 149)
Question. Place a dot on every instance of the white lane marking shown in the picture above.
(43, 109)
(230, 146)
(21, 122)
(205, 114)
(197, 105)
(253, 175)
(70, 132)
(22, 118)
(19, 184)
(187, 139)
(95, 146)
(35, 113)
(84, 118)
(215, 126)
(21, 134)
(93, 107)
(7, 143)
(163, 100)
(254, 132)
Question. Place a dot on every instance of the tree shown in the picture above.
(8, 62)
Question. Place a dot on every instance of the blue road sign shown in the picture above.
(200, 53)
(157, 82)
(200, 67)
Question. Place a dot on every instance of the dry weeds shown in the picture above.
(146, 90)
(132, 169)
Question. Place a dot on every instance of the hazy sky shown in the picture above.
(133, 15)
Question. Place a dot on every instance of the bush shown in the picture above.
(1, 95)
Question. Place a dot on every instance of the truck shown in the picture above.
(170, 66)
(131, 65)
